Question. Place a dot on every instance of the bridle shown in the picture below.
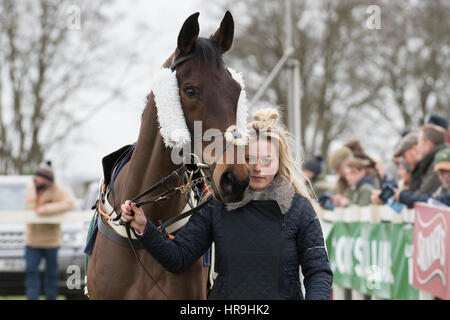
(191, 170)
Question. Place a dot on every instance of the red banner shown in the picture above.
(432, 250)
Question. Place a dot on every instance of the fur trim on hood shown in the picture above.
(280, 190)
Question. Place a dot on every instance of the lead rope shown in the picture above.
(128, 229)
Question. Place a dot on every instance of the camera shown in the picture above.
(387, 192)
(325, 201)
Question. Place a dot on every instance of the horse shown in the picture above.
(209, 93)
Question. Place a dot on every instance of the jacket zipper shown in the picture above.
(283, 224)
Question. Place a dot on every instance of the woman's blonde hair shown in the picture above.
(266, 123)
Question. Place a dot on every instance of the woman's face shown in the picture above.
(263, 161)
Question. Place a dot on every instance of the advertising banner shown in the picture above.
(375, 259)
(432, 250)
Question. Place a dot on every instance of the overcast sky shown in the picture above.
(150, 27)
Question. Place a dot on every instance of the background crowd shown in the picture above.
(422, 159)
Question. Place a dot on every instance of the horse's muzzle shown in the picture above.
(232, 190)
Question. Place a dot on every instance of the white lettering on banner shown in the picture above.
(431, 248)
(344, 260)
(373, 259)
(409, 250)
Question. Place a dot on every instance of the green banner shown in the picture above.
(375, 259)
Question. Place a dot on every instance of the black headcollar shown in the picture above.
(180, 61)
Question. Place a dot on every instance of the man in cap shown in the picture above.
(45, 197)
(430, 141)
(408, 150)
(441, 165)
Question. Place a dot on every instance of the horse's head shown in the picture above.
(209, 97)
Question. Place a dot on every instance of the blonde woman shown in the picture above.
(260, 241)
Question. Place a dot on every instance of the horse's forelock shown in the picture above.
(209, 51)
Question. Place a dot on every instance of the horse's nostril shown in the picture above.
(227, 182)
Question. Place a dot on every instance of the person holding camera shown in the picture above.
(441, 165)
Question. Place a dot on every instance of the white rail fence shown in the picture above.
(20, 217)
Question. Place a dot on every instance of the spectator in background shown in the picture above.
(358, 152)
(419, 156)
(45, 197)
(356, 148)
(441, 165)
(337, 163)
(404, 172)
(409, 153)
(431, 140)
(361, 184)
(442, 122)
(312, 169)
(383, 177)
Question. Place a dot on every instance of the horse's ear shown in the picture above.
(188, 34)
(224, 35)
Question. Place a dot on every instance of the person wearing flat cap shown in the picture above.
(409, 152)
(45, 197)
(441, 165)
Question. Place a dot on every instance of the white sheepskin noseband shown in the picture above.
(172, 123)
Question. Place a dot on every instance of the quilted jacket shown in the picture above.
(260, 243)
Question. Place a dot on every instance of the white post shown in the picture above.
(293, 79)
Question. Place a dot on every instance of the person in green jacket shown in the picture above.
(361, 184)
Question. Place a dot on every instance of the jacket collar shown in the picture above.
(427, 161)
(279, 190)
(366, 180)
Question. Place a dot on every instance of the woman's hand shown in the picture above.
(339, 200)
(138, 221)
(374, 197)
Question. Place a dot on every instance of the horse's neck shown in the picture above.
(150, 160)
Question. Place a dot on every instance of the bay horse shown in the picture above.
(208, 93)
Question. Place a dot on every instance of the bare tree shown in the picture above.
(412, 53)
(47, 54)
(328, 43)
(396, 74)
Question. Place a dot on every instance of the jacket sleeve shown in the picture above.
(62, 201)
(190, 243)
(408, 198)
(364, 195)
(316, 270)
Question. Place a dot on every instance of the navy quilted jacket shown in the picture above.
(260, 245)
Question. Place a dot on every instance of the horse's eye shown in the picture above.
(191, 92)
